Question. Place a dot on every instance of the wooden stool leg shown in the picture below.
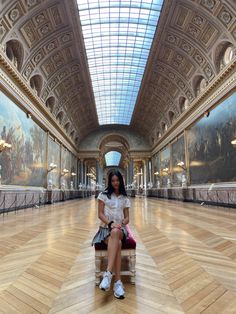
(132, 268)
(98, 260)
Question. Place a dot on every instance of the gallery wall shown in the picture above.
(33, 150)
(207, 150)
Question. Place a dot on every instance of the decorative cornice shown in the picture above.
(189, 39)
(13, 82)
(216, 90)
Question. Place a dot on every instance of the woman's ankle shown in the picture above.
(110, 271)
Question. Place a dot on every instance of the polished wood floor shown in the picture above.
(186, 260)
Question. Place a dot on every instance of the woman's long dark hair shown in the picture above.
(109, 189)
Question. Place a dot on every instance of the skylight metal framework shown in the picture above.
(112, 158)
(118, 37)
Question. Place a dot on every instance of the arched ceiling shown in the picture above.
(49, 32)
(184, 52)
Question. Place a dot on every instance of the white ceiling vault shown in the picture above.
(118, 36)
(89, 60)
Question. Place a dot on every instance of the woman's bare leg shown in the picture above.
(117, 265)
(113, 247)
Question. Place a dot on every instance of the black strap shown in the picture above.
(109, 224)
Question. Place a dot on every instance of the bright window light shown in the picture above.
(112, 158)
(118, 36)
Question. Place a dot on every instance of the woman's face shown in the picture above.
(115, 182)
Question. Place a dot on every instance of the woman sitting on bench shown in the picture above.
(113, 211)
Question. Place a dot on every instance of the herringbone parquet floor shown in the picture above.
(186, 260)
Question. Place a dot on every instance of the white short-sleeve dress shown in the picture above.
(114, 211)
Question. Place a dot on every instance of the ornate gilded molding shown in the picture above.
(216, 90)
(183, 53)
(15, 85)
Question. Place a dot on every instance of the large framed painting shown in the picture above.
(165, 165)
(156, 167)
(65, 166)
(211, 145)
(25, 162)
(54, 158)
(74, 169)
(177, 157)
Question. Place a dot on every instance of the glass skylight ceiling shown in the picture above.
(118, 37)
(112, 158)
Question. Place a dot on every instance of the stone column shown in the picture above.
(77, 173)
(81, 171)
(151, 175)
(85, 174)
(145, 172)
(131, 171)
(127, 174)
(99, 173)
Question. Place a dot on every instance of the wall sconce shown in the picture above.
(64, 172)
(233, 142)
(52, 166)
(206, 114)
(181, 165)
(165, 170)
(4, 145)
(28, 115)
(73, 174)
(156, 173)
(91, 175)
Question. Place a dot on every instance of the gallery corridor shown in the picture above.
(185, 263)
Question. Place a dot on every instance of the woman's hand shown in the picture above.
(115, 225)
(125, 221)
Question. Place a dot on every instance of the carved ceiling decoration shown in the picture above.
(184, 58)
(44, 41)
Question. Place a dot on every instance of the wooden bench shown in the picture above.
(128, 258)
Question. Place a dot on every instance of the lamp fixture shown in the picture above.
(64, 172)
(52, 166)
(156, 173)
(91, 175)
(73, 174)
(233, 142)
(166, 170)
(181, 165)
(4, 145)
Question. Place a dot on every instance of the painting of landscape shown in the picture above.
(177, 156)
(212, 145)
(54, 157)
(66, 164)
(165, 165)
(25, 162)
(74, 168)
(156, 168)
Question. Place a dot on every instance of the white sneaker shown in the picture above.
(106, 281)
(119, 291)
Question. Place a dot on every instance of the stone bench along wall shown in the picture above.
(11, 200)
(222, 196)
